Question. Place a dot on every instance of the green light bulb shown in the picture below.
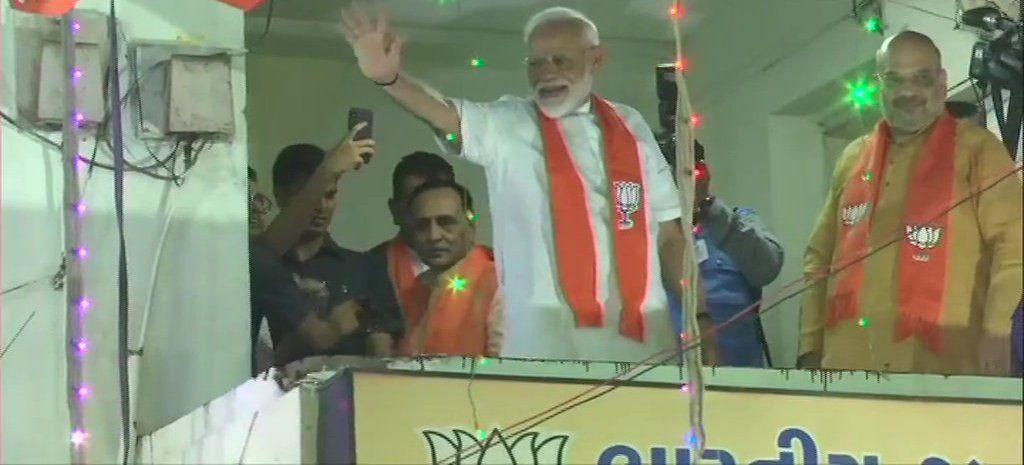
(477, 63)
(457, 284)
(861, 94)
(873, 25)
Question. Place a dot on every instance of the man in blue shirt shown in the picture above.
(738, 256)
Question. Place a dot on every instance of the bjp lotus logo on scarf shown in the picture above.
(924, 238)
(853, 214)
(462, 447)
(628, 198)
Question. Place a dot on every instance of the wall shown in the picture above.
(187, 258)
(297, 93)
(253, 423)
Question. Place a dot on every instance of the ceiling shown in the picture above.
(727, 41)
(618, 19)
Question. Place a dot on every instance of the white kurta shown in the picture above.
(504, 137)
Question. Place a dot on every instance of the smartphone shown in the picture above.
(361, 115)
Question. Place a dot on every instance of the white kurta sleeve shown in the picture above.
(479, 136)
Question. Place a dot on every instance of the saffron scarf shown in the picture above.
(574, 236)
(451, 318)
(924, 251)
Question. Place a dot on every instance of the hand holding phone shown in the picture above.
(358, 148)
(361, 115)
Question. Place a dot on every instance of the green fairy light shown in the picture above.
(451, 137)
(864, 323)
(457, 284)
(873, 25)
(477, 63)
(481, 434)
(868, 177)
(861, 94)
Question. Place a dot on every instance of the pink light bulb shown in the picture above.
(685, 388)
(83, 392)
(82, 253)
(696, 121)
(83, 346)
(76, 26)
(80, 163)
(78, 437)
(76, 73)
(84, 305)
(80, 208)
(79, 119)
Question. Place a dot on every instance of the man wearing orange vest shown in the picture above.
(412, 170)
(453, 307)
(939, 299)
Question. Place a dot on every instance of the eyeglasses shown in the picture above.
(259, 203)
(921, 79)
(560, 61)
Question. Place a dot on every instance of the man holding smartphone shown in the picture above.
(297, 244)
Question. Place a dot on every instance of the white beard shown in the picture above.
(577, 95)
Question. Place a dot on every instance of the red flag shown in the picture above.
(44, 7)
(245, 5)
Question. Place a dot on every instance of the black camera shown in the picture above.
(996, 62)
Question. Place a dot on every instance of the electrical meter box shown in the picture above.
(182, 90)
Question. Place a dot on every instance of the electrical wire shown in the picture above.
(689, 298)
(522, 426)
(56, 282)
(266, 26)
(25, 285)
(248, 437)
(469, 394)
(117, 133)
(17, 334)
(30, 132)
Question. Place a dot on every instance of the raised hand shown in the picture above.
(377, 49)
(351, 155)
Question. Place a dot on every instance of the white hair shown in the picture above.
(560, 14)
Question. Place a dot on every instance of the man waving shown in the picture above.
(585, 209)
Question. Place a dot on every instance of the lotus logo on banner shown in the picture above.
(45, 7)
(245, 5)
(461, 447)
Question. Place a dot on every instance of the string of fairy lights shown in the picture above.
(79, 305)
